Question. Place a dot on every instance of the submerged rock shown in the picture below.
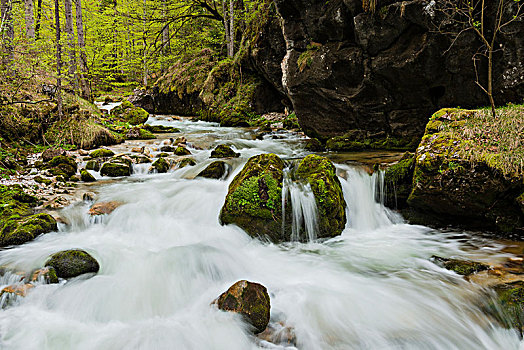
(254, 199)
(86, 176)
(160, 165)
(248, 299)
(72, 263)
(461, 267)
(224, 151)
(215, 170)
(510, 298)
(186, 162)
(104, 208)
(321, 175)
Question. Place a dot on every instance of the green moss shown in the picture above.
(461, 267)
(72, 263)
(320, 173)
(182, 151)
(511, 301)
(86, 176)
(58, 160)
(305, 60)
(130, 114)
(115, 170)
(19, 231)
(161, 129)
(93, 165)
(42, 180)
(254, 199)
(399, 179)
(101, 153)
(160, 165)
(224, 151)
(356, 141)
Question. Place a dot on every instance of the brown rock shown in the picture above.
(248, 299)
(104, 208)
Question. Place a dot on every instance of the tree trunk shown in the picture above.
(226, 26)
(29, 19)
(165, 33)
(490, 82)
(68, 7)
(6, 28)
(58, 60)
(144, 38)
(84, 86)
(38, 19)
(231, 28)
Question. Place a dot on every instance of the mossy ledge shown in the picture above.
(467, 171)
(18, 225)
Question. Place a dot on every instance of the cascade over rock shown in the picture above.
(254, 201)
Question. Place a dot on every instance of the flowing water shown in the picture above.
(164, 258)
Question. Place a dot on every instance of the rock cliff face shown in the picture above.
(382, 73)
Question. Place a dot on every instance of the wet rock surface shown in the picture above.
(72, 263)
(250, 300)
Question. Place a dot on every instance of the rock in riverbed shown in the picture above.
(72, 263)
(248, 299)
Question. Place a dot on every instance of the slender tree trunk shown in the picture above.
(58, 60)
(231, 28)
(29, 19)
(84, 86)
(68, 7)
(7, 31)
(144, 38)
(226, 26)
(38, 19)
(490, 82)
(165, 33)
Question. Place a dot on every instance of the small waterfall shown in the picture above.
(303, 207)
(141, 169)
(365, 195)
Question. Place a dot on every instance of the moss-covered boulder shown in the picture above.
(93, 165)
(58, 160)
(224, 151)
(115, 169)
(139, 134)
(463, 177)
(20, 231)
(18, 225)
(254, 199)
(250, 300)
(72, 263)
(398, 179)
(461, 267)
(102, 153)
(160, 166)
(161, 129)
(86, 176)
(182, 151)
(129, 113)
(170, 149)
(321, 175)
(215, 170)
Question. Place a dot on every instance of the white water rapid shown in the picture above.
(164, 258)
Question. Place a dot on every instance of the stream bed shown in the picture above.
(164, 257)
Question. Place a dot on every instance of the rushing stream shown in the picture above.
(164, 258)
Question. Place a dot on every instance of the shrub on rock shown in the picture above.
(72, 263)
